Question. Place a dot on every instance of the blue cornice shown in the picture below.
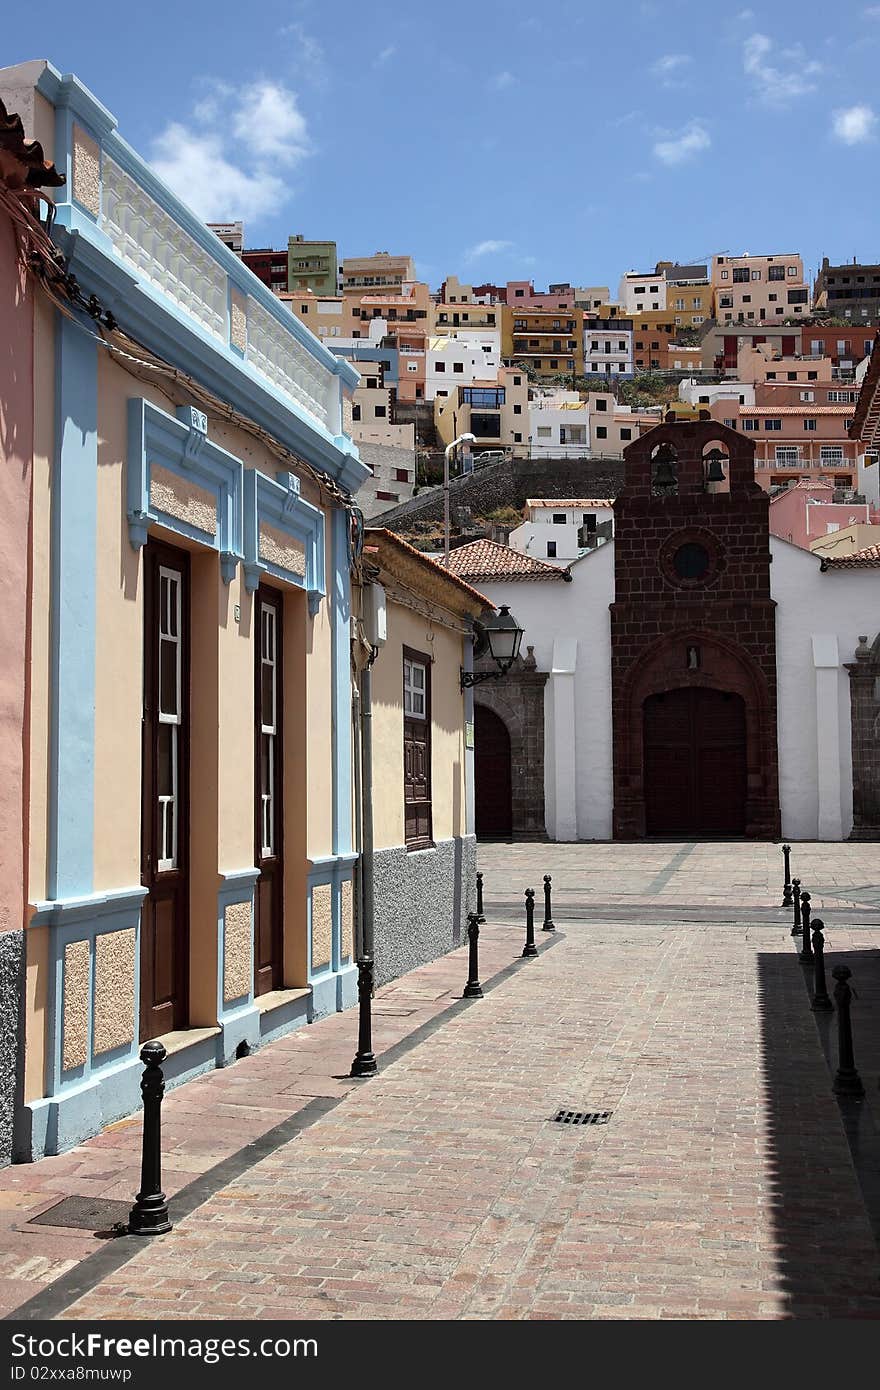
(156, 322)
(278, 502)
(153, 320)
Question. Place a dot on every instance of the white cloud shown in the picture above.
(269, 121)
(226, 162)
(385, 55)
(778, 82)
(310, 60)
(668, 68)
(853, 124)
(689, 142)
(487, 248)
(502, 80)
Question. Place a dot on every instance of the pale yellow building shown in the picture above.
(422, 724)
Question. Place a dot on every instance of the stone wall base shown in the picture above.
(11, 995)
(421, 902)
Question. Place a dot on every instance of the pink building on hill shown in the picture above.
(805, 512)
(522, 294)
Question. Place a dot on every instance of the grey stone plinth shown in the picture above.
(11, 991)
(421, 902)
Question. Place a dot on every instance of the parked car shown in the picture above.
(489, 456)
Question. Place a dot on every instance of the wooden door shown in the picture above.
(165, 792)
(695, 763)
(268, 817)
(418, 828)
(492, 776)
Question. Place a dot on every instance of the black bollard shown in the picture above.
(821, 1002)
(149, 1215)
(480, 917)
(364, 1063)
(786, 887)
(806, 952)
(473, 988)
(549, 924)
(530, 949)
(796, 894)
(847, 1082)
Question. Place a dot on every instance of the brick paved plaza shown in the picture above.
(723, 1185)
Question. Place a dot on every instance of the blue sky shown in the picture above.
(565, 142)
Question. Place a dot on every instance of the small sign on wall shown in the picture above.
(469, 734)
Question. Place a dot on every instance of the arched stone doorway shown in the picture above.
(518, 702)
(739, 737)
(493, 802)
(695, 762)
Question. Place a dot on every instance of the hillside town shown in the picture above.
(572, 373)
(343, 614)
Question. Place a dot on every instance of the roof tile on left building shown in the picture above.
(22, 162)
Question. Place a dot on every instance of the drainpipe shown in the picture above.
(364, 1063)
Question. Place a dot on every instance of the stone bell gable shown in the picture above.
(693, 613)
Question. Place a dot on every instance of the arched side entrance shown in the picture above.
(695, 762)
(493, 802)
(700, 732)
(518, 703)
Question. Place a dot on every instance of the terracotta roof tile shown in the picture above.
(34, 170)
(485, 560)
(869, 558)
(395, 542)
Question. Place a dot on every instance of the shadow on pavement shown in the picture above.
(825, 1215)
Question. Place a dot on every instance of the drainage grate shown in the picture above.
(582, 1117)
(84, 1214)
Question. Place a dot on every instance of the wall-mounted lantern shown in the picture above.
(500, 637)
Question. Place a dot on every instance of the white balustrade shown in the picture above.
(161, 251)
(274, 352)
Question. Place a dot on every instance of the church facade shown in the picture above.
(703, 678)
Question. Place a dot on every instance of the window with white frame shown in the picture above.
(268, 724)
(831, 453)
(170, 714)
(414, 687)
(787, 453)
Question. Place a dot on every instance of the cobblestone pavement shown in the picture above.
(723, 1185)
(710, 874)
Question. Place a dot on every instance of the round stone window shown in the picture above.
(691, 561)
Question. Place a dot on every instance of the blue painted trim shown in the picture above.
(346, 988)
(66, 91)
(181, 446)
(332, 869)
(84, 918)
(237, 887)
(72, 613)
(341, 683)
(388, 358)
(161, 325)
(280, 504)
(58, 1123)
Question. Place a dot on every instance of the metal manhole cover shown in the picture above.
(582, 1117)
(84, 1213)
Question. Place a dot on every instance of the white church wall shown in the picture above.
(819, 618)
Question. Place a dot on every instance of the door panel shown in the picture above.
(695, 763)
(165, 792)
(268, 791)
(492, 776)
